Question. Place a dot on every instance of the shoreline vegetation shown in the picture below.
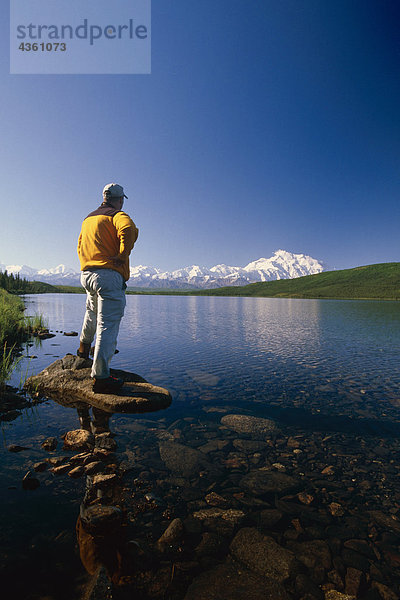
(370, 282)
(15, 328)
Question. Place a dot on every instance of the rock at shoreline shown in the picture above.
(68, 382)
(44, 335)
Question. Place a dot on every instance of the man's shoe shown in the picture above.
(83, 350)
(109, 385)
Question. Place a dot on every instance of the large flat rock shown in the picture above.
(68, 382)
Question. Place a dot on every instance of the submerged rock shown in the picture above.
(68, 382)
(94, 467)
(40, 466)
(249, 446)
(104, 441)
(50, 444)
(231, 515)
(171, 536)
(226, 582)
(184, 460)
(16, 448)
(76, 472)
(386, 521)
(263, 555)
(384, 592)
(268, 518)
(60, 470)
(100, 587)
(78, 439)
(101, 519)
(312, 553)
(104, 480)
(335, 595)
(257, 427)
(29, 482)
(263, 481)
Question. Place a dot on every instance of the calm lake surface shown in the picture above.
(342, 356)
(310, 364)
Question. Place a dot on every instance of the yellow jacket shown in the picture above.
(106, 240)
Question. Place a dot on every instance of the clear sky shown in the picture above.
(264, 124)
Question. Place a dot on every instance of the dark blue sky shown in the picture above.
(264, 125)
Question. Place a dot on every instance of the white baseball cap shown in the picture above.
(113, 190)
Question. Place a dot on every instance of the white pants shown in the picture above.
(105, 303)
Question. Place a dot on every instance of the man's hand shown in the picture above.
(117, 260)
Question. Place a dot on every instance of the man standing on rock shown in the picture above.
(105, 243)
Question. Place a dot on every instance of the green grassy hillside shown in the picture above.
(380, 281)
(38, 287)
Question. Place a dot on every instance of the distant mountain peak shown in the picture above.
(281, 265)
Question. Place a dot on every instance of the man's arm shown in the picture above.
(127, 233)
(79, 244)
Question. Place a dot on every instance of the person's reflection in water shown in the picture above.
(99, 423)
(99, 527)
(101, 547)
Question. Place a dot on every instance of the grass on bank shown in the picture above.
(12, 325)
(8, 362)
(15, 327)
(35, 324)
(11, 332)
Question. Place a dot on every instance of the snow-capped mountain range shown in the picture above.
(281, 265)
